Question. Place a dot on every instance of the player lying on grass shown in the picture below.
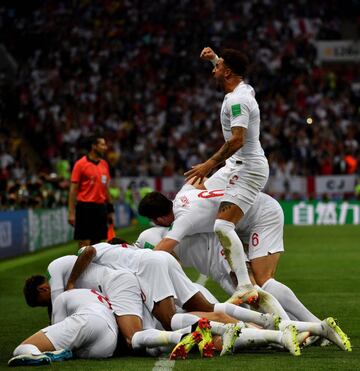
(160, 276)
(82, 323)
(154, 338)
(122, 290)
(112, 256)
(38, 291)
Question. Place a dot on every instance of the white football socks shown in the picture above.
(252, 337)
(242, 314)
(26, 349)
(181, 320)
(269, 304)
(154, 338)
(315, 328)
(233, 249)
(289, 301)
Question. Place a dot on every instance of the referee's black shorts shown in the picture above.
(90, 221)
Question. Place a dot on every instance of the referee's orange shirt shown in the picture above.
(93, 180)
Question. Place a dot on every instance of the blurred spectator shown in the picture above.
(132, 70)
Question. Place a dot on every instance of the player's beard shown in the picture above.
(219, 84)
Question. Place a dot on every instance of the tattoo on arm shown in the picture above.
(222, 154)
(231, 146)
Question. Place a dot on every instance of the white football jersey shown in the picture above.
(59, 271)
(240, 108)
(95, 276)
(117, 256)
(83, 301)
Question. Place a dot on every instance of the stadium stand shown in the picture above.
(134, 72)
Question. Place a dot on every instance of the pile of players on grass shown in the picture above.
(141, 294)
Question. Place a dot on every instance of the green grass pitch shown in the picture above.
(321, 265)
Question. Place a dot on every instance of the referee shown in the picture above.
(89, 199)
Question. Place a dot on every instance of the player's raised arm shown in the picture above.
(208, 54)
(84, 259)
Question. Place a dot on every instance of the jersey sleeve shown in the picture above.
(181, 227)
(239, 109)
(149, 238)
(76, 173)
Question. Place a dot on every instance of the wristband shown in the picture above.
(214, 60)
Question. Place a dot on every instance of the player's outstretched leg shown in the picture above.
(328, 328)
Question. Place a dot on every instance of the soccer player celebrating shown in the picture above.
(246, 169)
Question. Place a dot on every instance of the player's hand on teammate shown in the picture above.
(207, 54)
(199, 171)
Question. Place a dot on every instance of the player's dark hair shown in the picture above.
(155, 205)
(236, 60)
(30, 289)
(117, 241)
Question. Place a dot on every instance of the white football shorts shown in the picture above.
(242, 182)
(266, 236)
(87, 335)
(161, 276)
(124, 293)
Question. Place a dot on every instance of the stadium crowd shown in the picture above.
(135, 73)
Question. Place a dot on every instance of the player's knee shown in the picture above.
(262, 277)
(128, 327)
(222, 227)
(262, 272)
